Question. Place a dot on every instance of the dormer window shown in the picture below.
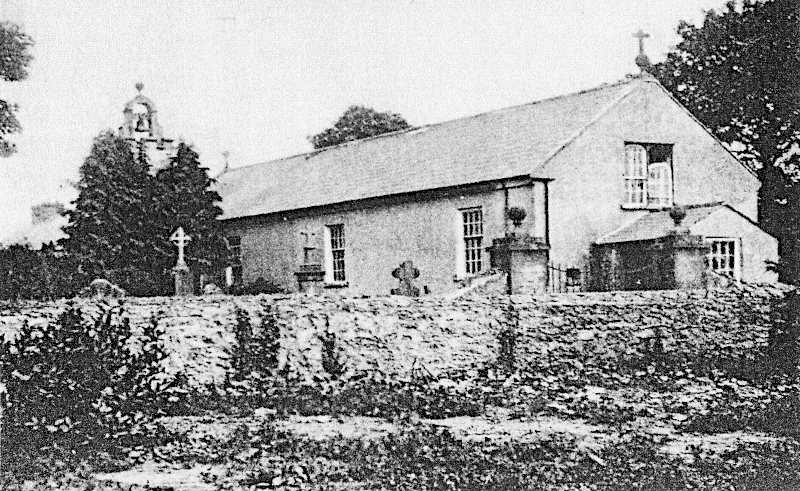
(648, 175)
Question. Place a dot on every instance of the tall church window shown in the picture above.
(648, 175)
(233, 274)
(472, 220)
(334, 254)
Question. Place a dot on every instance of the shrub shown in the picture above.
(37, 274)
(255, 351)
(80, 383)
(370, 394)
(332, 361)
(784, 340)
(507, 337)
(779, 417)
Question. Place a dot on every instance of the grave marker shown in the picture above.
(406, 273)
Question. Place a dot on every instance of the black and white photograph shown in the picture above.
(410, 245)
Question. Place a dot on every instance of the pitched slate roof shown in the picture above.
(659, 224)
(496, 145)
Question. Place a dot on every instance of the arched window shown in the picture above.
(635, 175)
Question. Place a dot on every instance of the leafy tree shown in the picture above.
(114, 230)
(39, 274)
(739, 73)
(14, 60)
(356, 123)
(186, 199)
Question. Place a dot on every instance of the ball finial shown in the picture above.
(642, 61)
(677, 213)
(139, 86)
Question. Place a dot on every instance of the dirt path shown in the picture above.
(499, 427)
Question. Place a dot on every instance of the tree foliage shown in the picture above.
(35, 274)
(187, 199)
(120, 225)
(14, 60)
(356, 123)
(114, 231)
(81, 382)
(739, 73)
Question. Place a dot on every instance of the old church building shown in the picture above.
(597, 173)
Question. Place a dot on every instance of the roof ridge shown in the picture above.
(441, 123)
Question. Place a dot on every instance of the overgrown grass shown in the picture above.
(418, 457)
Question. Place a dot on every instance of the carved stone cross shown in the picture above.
(642, 36)
(179, 238)
(406, 273)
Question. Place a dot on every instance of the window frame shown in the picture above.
(664, 183)
(471, 259)
(335, 254)
(637, 177)
(735, 255)
(234, 272)
(634, 178)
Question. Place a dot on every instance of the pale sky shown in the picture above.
(256, 78)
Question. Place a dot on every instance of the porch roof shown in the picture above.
(658, 224)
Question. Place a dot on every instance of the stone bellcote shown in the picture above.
(142, 129)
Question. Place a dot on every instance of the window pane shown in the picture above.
(635, 191)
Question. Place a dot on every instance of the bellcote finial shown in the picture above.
(642, 61)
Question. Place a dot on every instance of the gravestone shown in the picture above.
(406, 273)
(102, 288)
(184, 286)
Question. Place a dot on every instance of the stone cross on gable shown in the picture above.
(406, 273)
(642, 36)
(642, 61)
(179, 238)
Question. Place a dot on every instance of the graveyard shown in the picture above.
(556, 274)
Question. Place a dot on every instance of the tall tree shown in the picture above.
(14, 59)
(113, 230)
(187, 199)
(356, 123)
(739, 73)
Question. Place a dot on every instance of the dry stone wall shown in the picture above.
(397, 335)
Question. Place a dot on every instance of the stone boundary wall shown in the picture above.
(396, 335)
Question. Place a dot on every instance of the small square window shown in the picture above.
(723, 257)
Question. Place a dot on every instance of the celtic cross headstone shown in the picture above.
(406, 273)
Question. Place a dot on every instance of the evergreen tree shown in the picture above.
(113, 230)
(187, 199)
(739, 73)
